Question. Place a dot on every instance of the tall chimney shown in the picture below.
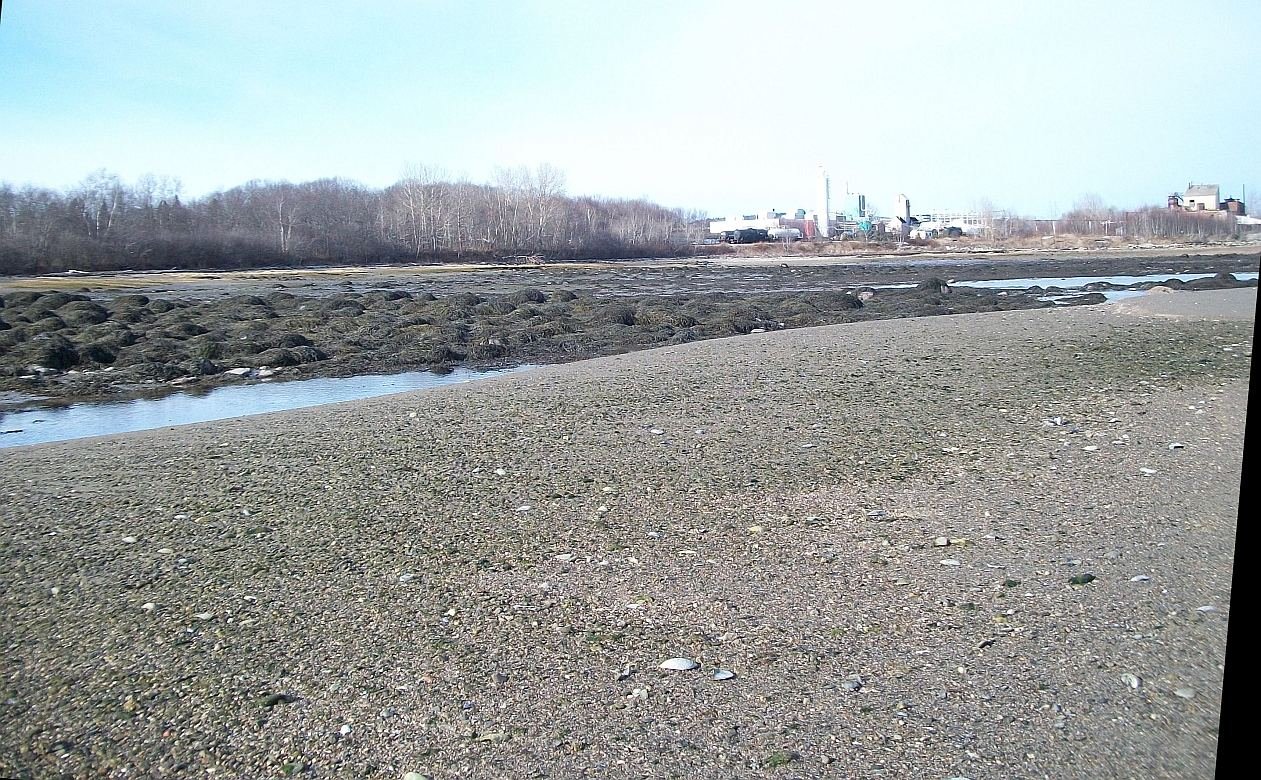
(825, 204)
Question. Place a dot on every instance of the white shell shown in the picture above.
(679, 664)
(723, 674)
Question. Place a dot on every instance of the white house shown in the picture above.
(1202, 197)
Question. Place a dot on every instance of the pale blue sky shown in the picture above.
(723, 106)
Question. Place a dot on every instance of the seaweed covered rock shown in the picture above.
(83, 313)
(48, 350)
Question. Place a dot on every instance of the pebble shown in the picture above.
(501, 473)
(853, 685)
(656, 431)
(950, 562)
(679, 664)
(1131, 680)
(415, 776)
(1184, 693)
(941, 541)
(204, 615)
(1177, 445)
(148, 606)
(723, 674)
(1147, 472)
(1206, 608)
(1139, 578)
(129, 539)
(344, 730)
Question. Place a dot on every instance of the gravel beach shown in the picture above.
(989, 545)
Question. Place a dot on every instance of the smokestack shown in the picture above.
(825, 204)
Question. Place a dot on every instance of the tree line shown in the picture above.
(104, 223)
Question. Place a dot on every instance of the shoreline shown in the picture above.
(486, 587)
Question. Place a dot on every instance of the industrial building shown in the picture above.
(1206, 198)
(821, 222)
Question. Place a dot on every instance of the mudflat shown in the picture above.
(127, 335)
(986, 545)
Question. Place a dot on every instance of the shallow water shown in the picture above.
(1068, 282)
(38, 426)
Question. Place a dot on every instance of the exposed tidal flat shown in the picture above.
(988, 545)
(117, 336)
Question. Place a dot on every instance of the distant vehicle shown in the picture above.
(784, 234)
(745, 236)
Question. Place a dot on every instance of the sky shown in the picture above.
(722, 106)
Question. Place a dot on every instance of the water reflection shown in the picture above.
(97, 419)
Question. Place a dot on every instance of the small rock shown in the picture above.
(656, 431)
(283, 698)
(501, 473)
(564, 557)
(493, 737)
(203, 615)
(406, 577)
(129, 539)
(499, 678)
(950, 562)
(723, 674)
(1081, 579)
(625, 673)
(756, 529)
(1139, 578)
(344, 730)
(1177, 445)
(1206, 608)
(415, 776)
(1184, 693)
(1131, 680)
(148, 606)
(941, 541)
(853, 684)
(1147, 472)
(679, 664)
